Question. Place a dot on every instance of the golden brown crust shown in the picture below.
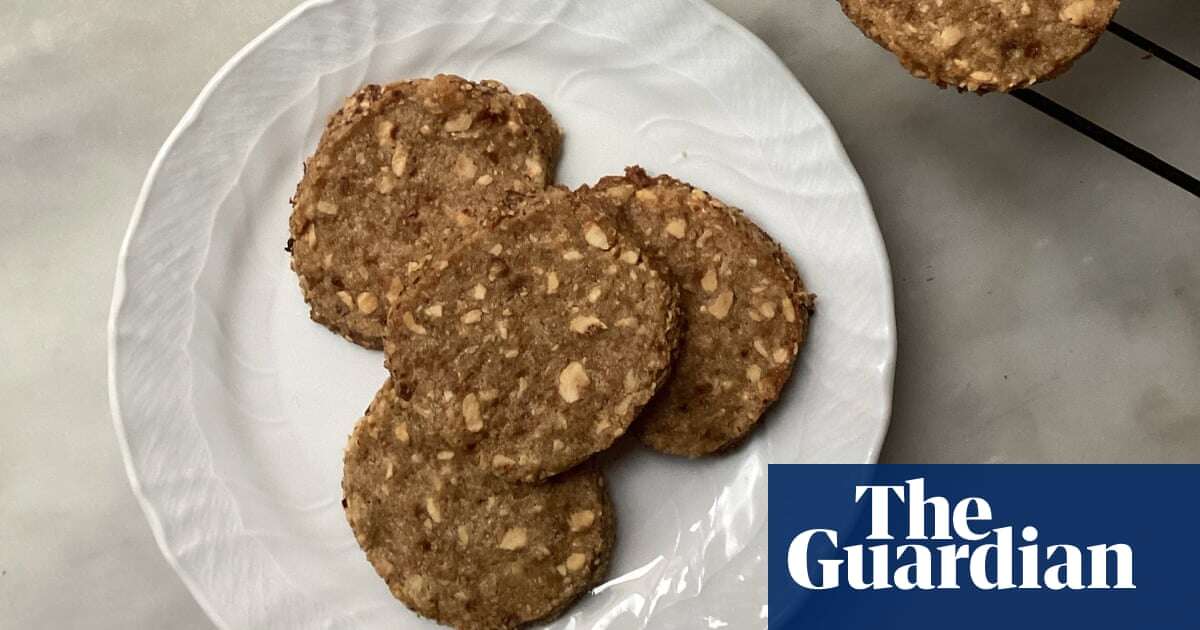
(535, 344)
(983, 45)
(744, 307)
(402, 171)
(461, 546)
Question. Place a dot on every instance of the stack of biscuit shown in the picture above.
(526, 327)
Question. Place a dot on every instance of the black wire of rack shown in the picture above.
(1142, 157)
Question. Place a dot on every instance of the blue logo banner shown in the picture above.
(983, 546)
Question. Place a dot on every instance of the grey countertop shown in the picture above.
(1047, 290)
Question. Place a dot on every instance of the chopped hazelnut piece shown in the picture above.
(411, 324)
(513, 539)
(583, 324)
(575, 562)
(595, 236)
(470, 411)
(461, 122)
(571, 381)
(400, 161)
(709, 281)
(367, 302)
(581, 520)
(434, 511)
(719, 307)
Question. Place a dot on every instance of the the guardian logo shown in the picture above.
(973, 554)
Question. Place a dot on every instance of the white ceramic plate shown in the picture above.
(232, 408)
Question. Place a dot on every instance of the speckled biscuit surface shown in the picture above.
(983, 45)
(401, 171)
(462, 546)
(535, 345)
(744, 308)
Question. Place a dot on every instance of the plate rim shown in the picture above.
(120, 284)
(120, 288)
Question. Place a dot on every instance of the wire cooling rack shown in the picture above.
(1111, 140)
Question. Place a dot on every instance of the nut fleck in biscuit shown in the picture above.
(400, 171)
(462, 546)
(744, 308)
(983, 45)
(534, 345)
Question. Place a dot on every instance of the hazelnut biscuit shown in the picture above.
(537, 343)
(745, 313)
(400, 171)
(462, 546)
(983, 45)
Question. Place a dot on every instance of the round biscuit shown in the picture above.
(535, 344)
(744, 308)
(983, 45)
(400, 171)
(461, 546)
